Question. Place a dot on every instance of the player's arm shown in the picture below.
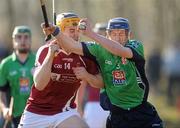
(3, 106)
(3, 98)
(93, 80)
(42, 74)
(69, 44)
(65, 42)
(2, 103)
(4, 87)
(80, 97)
(112, 46)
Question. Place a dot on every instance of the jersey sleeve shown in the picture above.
(91, 66)
(137, 50)
(3, 74)
(90, 49)
(41, 55)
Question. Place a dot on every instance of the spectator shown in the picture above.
(154, 66)
(171, 68)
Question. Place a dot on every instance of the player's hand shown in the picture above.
(6, 115)
(53, 47)
(48, 30)
(85, 26)
(80, 73)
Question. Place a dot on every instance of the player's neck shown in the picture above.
(65, 51)
(22, 56)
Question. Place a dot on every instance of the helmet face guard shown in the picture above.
(118, 23)
(67, 20)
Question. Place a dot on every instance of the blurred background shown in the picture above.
(154, 22)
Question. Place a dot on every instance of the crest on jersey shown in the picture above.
(118, 77)
(24, 85)
(124, 60)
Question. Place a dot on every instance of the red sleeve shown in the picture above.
(91, 66)
(41, 54)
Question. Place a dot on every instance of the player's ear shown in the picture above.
(130, 36)
(107, 33)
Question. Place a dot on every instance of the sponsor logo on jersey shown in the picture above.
(66, 66)
(12, 73)
(57, 66)
(108, 62)
(118, 77)
(24, 85)
(68, 59)
(67, 78)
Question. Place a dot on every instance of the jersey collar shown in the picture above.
(15, 58)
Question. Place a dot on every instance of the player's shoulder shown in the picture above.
(32, 54)
(137, 46)
(43, 48)
(89, 43)
(7, 60)
(93, 45)
(134, 44)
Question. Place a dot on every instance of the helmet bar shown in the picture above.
(21, 29)
(68, 22)
(118, 23)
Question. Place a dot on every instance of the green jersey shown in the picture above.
(19, 78)
(125, 81)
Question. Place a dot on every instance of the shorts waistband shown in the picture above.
(116, 109)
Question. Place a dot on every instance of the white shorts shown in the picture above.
(94, 115)
(32, 120)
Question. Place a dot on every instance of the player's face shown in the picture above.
(72, 32)
(22, 42)
(118, 35)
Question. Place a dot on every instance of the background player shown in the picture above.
(16, 73)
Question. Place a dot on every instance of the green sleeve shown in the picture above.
(136, 46)
(93, 48)
(3, 74)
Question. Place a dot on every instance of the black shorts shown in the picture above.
(142, 116)
(16, 121)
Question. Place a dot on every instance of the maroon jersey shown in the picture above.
(93, 94)
(60, 93)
